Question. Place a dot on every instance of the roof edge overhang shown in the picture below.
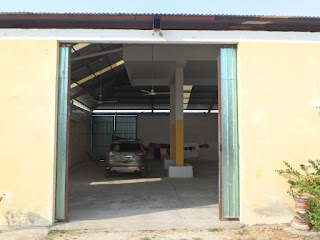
(168, 21)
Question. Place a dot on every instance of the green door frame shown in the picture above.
(63, 126)
(229, 200)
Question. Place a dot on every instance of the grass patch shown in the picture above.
(244, 231)
(145, 238)
(215, 229)
(57, 231)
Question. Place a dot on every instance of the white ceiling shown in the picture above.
(143, 61)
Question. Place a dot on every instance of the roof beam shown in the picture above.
(97, 73)
(97, 54)
(91, 59)
(84, 91)
(85, 62)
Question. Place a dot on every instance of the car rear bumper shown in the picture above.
(125, 169)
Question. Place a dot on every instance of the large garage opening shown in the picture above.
(124, 92)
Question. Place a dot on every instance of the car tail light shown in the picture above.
(142, 168)
(141, 153)
(110, 153)
(107, 168)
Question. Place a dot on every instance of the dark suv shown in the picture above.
(126, 156)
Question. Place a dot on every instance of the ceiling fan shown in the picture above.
(100, 101)
(152, 92)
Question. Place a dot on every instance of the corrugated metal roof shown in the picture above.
(151, 14)
(168, 21)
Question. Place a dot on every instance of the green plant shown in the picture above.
(215, 229)
(306, 181)
(245, 231)
(57, 231)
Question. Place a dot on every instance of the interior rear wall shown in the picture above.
(198, 129)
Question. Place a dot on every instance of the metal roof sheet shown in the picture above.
(168, 21)
(154, 14)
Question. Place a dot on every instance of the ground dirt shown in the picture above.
(270, 232)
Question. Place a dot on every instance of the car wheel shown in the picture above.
(107, 173)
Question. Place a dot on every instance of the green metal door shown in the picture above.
(102, 130)
(61, 197)
(104, 127)
(229, 147)
(126, 126)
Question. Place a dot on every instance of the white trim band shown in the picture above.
(168, 37)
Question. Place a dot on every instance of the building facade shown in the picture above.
(278, 89)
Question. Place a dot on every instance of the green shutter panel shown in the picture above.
(102, 130)
(229, 134)
(61, 154)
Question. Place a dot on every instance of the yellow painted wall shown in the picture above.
(277, 122)
(28, 80)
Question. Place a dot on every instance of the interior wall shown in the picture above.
(198, 129)
(277, 84)
(28, 79)
(80, 136)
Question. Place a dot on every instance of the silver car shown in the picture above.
(126, 156)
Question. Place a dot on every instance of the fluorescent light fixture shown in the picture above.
(112, 115)
(195, 111)
(200, 111)
(122, 111)
(109, 112)
(214, 111)
(161, 111)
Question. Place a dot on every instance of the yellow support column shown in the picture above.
(179, 143)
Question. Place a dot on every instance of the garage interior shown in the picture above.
(110, 92)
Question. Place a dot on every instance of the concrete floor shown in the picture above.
(129, 202)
